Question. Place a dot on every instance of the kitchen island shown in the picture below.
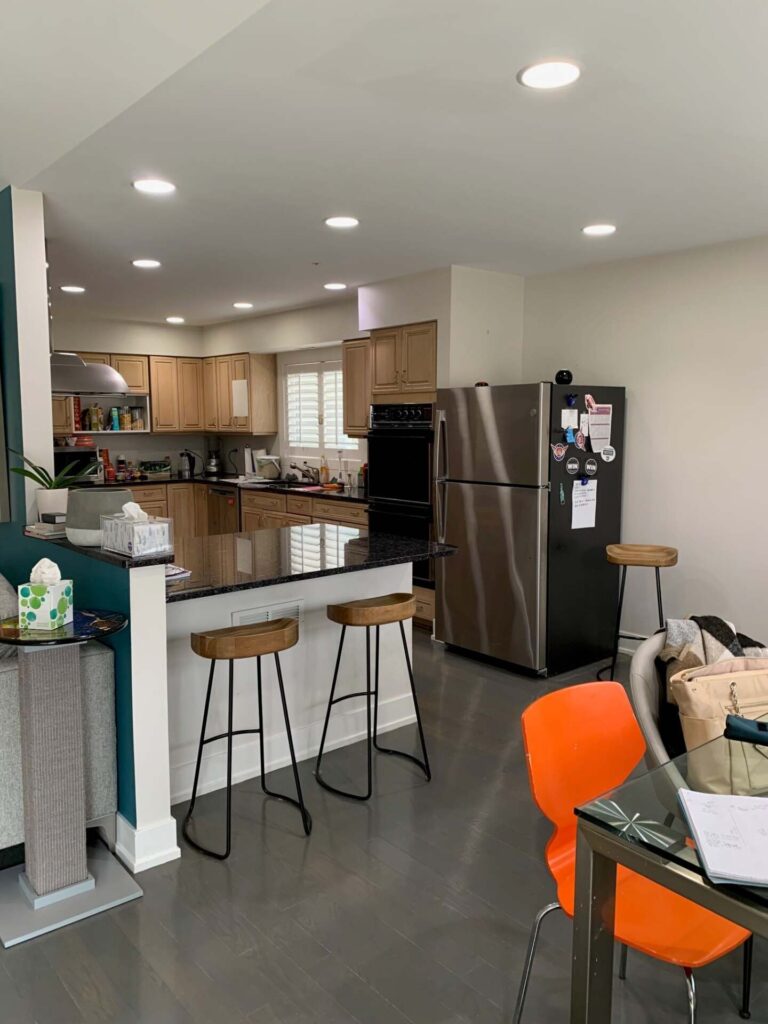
(295, 571)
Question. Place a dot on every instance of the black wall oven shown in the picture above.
(400, 476)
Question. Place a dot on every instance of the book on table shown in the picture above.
(731, 835)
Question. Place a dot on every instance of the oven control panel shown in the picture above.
(414, 414)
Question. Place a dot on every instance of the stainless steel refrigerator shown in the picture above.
(524, 587)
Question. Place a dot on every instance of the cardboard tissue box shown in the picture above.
(46, 602)
(136, 534)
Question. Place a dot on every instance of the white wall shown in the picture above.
(71, 335)
(686, 334)
(486, 327)
(283, 332)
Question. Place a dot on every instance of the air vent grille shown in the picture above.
(250, 616)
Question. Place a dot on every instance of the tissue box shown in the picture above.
(45, 605)
(153, 536)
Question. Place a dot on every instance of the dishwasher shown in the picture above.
(223, 510)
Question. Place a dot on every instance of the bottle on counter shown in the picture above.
(325, 473)
(120, 468)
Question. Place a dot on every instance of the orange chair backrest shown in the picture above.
(580, 742)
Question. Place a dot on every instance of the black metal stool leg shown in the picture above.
(423, 764)
(336, 700)
(299, 803)
(658, 598)
(618, 622)
(229, 736)
(746, 980)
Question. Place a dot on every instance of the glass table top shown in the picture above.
(646, 810)
(87, 624)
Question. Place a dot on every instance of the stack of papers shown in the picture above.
(176, 572)
(731, 834)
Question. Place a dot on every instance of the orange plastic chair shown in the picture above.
(580, 742)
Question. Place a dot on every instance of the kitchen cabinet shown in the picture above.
(135, 370)
(425, 606)
(250, 519)
(262, 394)
(404, 363)
(240, 371)
(201, 509)
(154, 508)
(335, 510)
(164, 386)
(191, 405)
(210, 406)
(356, 378)
(260, 375)
(63, 416)
(224, 392)
(181, 509)
(95, 357)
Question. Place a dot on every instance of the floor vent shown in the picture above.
(249, 616)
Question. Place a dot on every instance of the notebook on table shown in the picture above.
(731, 834)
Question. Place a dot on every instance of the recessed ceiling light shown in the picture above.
(146, 264)
(174, 319)
(549, 74)
(335, 286)
(243, 305)
(154, 186)
(342, 222)
(74, 289)
(599, 230)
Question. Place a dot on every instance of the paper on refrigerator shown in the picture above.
(584, 505)
(600, 416)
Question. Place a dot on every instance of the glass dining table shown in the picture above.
(641, 826)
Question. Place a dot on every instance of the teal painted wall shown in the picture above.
(96, 584)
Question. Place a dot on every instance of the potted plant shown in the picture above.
(52, 495)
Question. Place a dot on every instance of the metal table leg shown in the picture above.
(592, 960)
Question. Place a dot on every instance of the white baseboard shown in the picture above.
(629, 644)
(140, 849)
(245, 754)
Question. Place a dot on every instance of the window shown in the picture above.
(313, 549)
(314, 405)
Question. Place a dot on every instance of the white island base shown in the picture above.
(307, 671)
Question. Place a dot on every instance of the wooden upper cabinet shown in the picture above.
(241, 370)
(95, 357)
(135, 369)
(385, 361)
(191, 410)
(63, 417)
(356, 378)
(418, 357)
(263, 394)
(210, 405)
(164, 387)
(224, 391)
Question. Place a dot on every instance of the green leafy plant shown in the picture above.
(41, 476)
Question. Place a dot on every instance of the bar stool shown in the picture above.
(369, 612)
(232, 644)
(655, 556)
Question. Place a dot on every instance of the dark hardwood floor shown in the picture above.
(413, 908)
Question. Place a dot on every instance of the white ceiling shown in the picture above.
(407, 114)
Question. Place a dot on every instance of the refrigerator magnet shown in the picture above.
(581, 441)
(572, 466)
(558, 451)
(569, 418)
(570, 437)
(590, 467)
(608, 454)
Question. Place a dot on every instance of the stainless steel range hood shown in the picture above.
(71, 376)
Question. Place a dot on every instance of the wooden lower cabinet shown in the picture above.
(154, 508)
(201, 509)
(181, 509)
(250, 519)
(425, 606)
(338, 511)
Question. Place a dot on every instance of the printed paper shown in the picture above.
(584, 505)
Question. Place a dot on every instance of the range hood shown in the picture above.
(71, 376)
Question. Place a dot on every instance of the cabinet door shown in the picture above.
(164, 381)
(63, 418)
(191, 413)
(210, 407)
(385, 361)
(181, 509)
(418, 357)
(201, 509)
(95, 357)
(356, 378)
(224, 391)
(250, 520)
(135, 369)
(155, 508)
(241, 371)
(263, 394)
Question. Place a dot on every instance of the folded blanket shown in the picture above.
(704, 640)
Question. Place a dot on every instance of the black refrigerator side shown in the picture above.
(582, 587)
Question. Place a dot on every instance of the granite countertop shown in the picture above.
(355, 495)
(243, 561)
(111, 557)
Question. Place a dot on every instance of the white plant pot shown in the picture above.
(52, 501)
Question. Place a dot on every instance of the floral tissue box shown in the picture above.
(45, 605)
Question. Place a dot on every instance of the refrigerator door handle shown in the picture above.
(439, 477)
(440, 436)
(441, 509)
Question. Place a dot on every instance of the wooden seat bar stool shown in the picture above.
(232, 644)
(656, 556)
(369, 613)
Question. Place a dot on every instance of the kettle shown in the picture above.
(187, 464)
(213, 465)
